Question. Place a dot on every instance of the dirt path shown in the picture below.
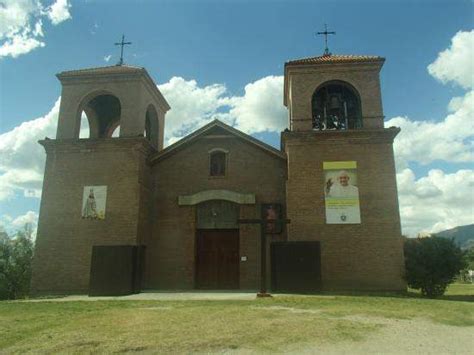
(415, 336)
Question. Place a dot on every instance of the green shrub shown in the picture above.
(15, 264)
(431, 264)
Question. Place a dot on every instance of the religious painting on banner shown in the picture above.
(93, 202)
(341, 192)
(271, 214)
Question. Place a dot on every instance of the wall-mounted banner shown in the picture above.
(93, 202)
(341, 192)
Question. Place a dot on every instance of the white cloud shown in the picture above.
(261, 108)
(192, 106)
(456, 64)
(435, 202)
(439, 200)
(17, 14)
(21, 24)
(59, 11)
(427, 141)
(107, 58)
(19, 44)
(22, 158)
(29, 217)
(12, 225)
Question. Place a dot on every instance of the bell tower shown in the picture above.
(334, 92)
(109, 97)
(341, 188)
(97, 190)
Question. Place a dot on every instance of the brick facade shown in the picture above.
(153, 193)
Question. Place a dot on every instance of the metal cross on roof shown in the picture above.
(326, 33)
(122, 44)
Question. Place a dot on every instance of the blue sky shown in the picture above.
(230, 55)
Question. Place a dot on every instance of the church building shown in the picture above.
(220, 209)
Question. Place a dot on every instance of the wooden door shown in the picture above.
(217, 259)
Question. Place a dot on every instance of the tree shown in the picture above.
(432, 263)
(15, 264)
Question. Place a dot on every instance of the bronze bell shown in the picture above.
(334, 102)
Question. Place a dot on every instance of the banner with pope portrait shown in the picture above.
(341, 192)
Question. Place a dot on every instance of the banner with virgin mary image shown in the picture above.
(341, 192)
(93, 202)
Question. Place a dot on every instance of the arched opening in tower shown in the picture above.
(100, 117)
(152, 125)
(336, 106)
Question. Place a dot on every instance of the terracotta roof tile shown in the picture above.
(336, 59)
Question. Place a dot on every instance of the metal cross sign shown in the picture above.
(122, 44)
(268, 225)
(326, 33)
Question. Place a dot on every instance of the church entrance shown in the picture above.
(217, 245)
(217, 265)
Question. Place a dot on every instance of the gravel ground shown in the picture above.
(415, 336)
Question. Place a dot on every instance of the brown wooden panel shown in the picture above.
(217, 259)
(296, 266)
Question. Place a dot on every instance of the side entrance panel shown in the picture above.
(217, 259)
(296, 266)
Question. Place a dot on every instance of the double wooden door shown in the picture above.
(217, 259)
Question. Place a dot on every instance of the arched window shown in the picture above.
(217, 162)
(336, 105)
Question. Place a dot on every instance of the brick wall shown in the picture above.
(171, 247)
(64, 240)
(356, 256)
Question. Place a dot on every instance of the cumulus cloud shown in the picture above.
(430, 203)
(427, 141)
(28, 221)
(455, 64)
(21, 24)
(258, 110)
(192, 106)
(261, 109)
(439, 200)
(59, 11)
(435, 202)
(29, 217)
(22, 158)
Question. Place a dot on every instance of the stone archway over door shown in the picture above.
(217, 245)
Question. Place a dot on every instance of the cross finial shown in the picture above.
(326, 33)
(122, 44)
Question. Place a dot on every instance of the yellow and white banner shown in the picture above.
(341, 192)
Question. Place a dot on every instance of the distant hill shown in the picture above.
(463, 235)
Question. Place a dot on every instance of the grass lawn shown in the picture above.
(214, 326)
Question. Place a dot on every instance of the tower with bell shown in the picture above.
(108, 170)
(341, 190)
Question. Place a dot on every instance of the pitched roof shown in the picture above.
(336, 59)
(206, 129)
(113, 69)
